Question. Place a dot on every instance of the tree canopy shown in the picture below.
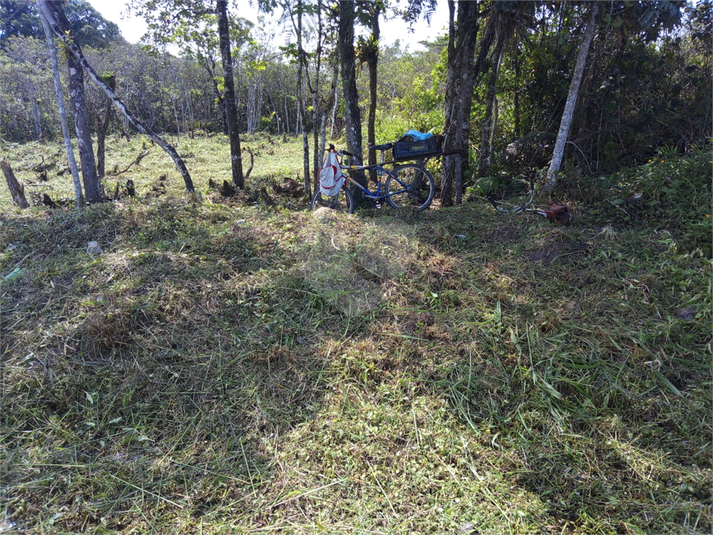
(18, 18)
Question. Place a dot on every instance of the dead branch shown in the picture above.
(252, 161)
(137, 161)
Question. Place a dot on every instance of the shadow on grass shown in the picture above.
(146, 382)
(245, 370)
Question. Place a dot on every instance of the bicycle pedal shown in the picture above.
(378, 205)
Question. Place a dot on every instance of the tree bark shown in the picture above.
(570, 105)
(314, 89)
(489, 122)
(60, 105)
(236, 158)
(462, 36)
(335, 95)
(301, 98)
(17, 190)
(76, 52)
(351, 96)
(92, 188)
(373, 62)
(103, 127)
(209, 64)
(331, 99)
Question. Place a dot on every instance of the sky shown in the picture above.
(133, 28)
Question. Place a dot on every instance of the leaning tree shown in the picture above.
(53, 11)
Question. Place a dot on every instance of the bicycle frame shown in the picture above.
(380, 170)
(557, 213)
(407, 184)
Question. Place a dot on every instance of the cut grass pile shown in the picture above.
(226, 367)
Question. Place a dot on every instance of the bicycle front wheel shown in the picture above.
(342, 202)
(410, 185)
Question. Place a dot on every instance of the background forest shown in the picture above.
(209, 356)
(647, 83)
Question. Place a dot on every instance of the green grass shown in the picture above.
(229, 367)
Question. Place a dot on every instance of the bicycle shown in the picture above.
(406, 185)
(556, 213)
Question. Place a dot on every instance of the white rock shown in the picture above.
(93, 248)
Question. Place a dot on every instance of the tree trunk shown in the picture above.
(335, 96)
(372, 62)
(17, 190)
(60, 104)
(327, 105)
(489, 123)
(459, 95)
(76, 52)
(230, 105)
(36, 112)
(316, 125)
(516, 96)
(569, 106)
(302, 99)
(351, 96)
(305, 164)
(209, 64)
(92, 189)
(103, 127)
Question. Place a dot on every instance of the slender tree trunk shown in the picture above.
(335, 96)
(373, 61)
(287, 117)
(60, 104)
(316, 158)
(36, 112)
(92, 189)
(302, 99)
(516, 96)
(488, 123)
(332, 97)
(76, 52)
(496, 111)
(351, 96)
(570, 105)
(305, 164)
(236, 158)
(103, 127)
(210, 67)
(462, 36)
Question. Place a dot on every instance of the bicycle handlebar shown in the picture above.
(332, 148)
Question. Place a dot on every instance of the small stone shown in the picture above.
(467, 529)
(93, 248)
(687, 313)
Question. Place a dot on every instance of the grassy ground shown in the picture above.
(227, 366)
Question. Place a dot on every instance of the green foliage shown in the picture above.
(499, 185)
(672, 192)
(19, 19)
(410, 92)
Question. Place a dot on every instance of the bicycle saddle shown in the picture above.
(385, 146)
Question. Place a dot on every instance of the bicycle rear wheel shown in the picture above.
(342, 202)
(410, 185)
